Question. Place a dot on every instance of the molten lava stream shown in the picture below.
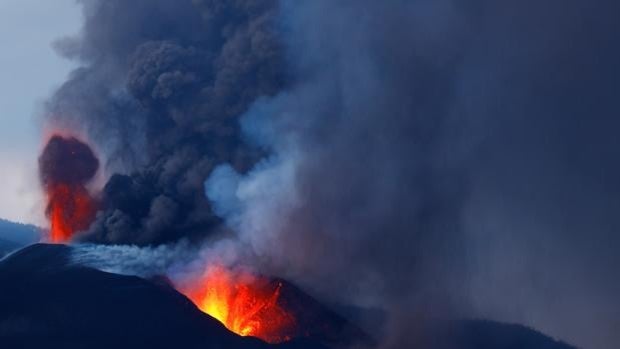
(244, 303)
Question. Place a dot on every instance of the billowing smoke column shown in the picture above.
(65, 167)
(160, 91)
(409, 155)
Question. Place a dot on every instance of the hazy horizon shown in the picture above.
(31, 70)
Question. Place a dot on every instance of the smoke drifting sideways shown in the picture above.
(66, 166)
(431, 153)
(414, 156)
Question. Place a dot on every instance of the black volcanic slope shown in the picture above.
(47, 303)
(7, 246)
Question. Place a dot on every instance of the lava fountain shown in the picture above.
(246, 304)
(65, 167)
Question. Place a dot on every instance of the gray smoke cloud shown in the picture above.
(431, 158)
(183, 263)
(133, 260)
(442, 159)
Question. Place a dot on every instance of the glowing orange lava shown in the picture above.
(246, 304)
(70, 209)
(66, 166)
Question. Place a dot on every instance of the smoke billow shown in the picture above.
(360, 199)
(66, 166)
(67, 160)
(431, 158)
(160, 91)
(428, 156)
(145, 262)
(181, 262)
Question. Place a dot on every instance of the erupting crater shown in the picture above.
(246, 304)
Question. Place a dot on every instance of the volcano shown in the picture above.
(48, 301)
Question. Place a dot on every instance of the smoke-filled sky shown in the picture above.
(29, 68)
(434, 158)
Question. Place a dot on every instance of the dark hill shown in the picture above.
(482, 334)
(47, 303)
(19, 233)
(15, 235)
(44, 302)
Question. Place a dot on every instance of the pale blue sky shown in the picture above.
(29, 71)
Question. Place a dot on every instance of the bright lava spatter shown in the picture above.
(246, 304)
(70, 209)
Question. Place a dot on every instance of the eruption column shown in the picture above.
(65, 167)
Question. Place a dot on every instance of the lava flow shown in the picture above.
(65, 167)
(246, 304)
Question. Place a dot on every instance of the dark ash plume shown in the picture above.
(68, 161)
(160, 91)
